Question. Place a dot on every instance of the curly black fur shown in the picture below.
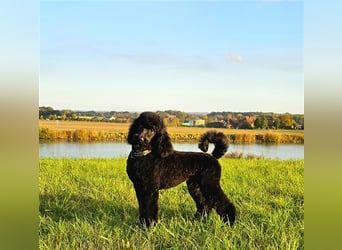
(153, 164)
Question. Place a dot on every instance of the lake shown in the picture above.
(113, 150)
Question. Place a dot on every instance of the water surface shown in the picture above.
(113, 150)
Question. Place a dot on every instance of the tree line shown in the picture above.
(238, 120)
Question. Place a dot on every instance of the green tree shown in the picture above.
(286, 121)
(239, 116)
(261, 122)
(244, 125)
(276, 123)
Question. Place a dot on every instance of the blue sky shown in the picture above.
(188, 56)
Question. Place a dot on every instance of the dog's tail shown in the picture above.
(219, 139)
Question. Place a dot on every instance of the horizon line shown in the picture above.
(160, 110)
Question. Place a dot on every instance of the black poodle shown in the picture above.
(153, 164)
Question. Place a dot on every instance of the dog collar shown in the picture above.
(134, 154)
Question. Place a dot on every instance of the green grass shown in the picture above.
(91, 204)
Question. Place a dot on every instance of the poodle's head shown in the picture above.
(148, 134)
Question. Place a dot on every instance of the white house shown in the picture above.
(196, 122)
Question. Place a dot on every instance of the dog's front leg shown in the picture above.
(148, 206)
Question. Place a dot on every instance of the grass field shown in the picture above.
(104, 131)
(91, 204)
(123, 127)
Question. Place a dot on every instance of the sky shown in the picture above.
(192, 56)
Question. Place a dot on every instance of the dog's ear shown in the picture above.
(161, 144)
(132, 130)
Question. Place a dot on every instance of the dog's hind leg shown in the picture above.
(201, 204)
(224, 207)
(216, 198)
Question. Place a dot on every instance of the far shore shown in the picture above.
(81, 131)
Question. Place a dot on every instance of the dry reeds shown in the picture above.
(236, 137)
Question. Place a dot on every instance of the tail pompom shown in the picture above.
(219, 139)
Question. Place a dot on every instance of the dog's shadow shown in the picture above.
(72, 207)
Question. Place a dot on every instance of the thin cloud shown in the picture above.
(235, 58)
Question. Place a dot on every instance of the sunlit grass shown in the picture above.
(91, 204)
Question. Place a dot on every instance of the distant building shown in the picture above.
(300, 126)
(197, 123)
(233, 123)
(220, 124)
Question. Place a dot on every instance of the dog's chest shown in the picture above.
(139, 168)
